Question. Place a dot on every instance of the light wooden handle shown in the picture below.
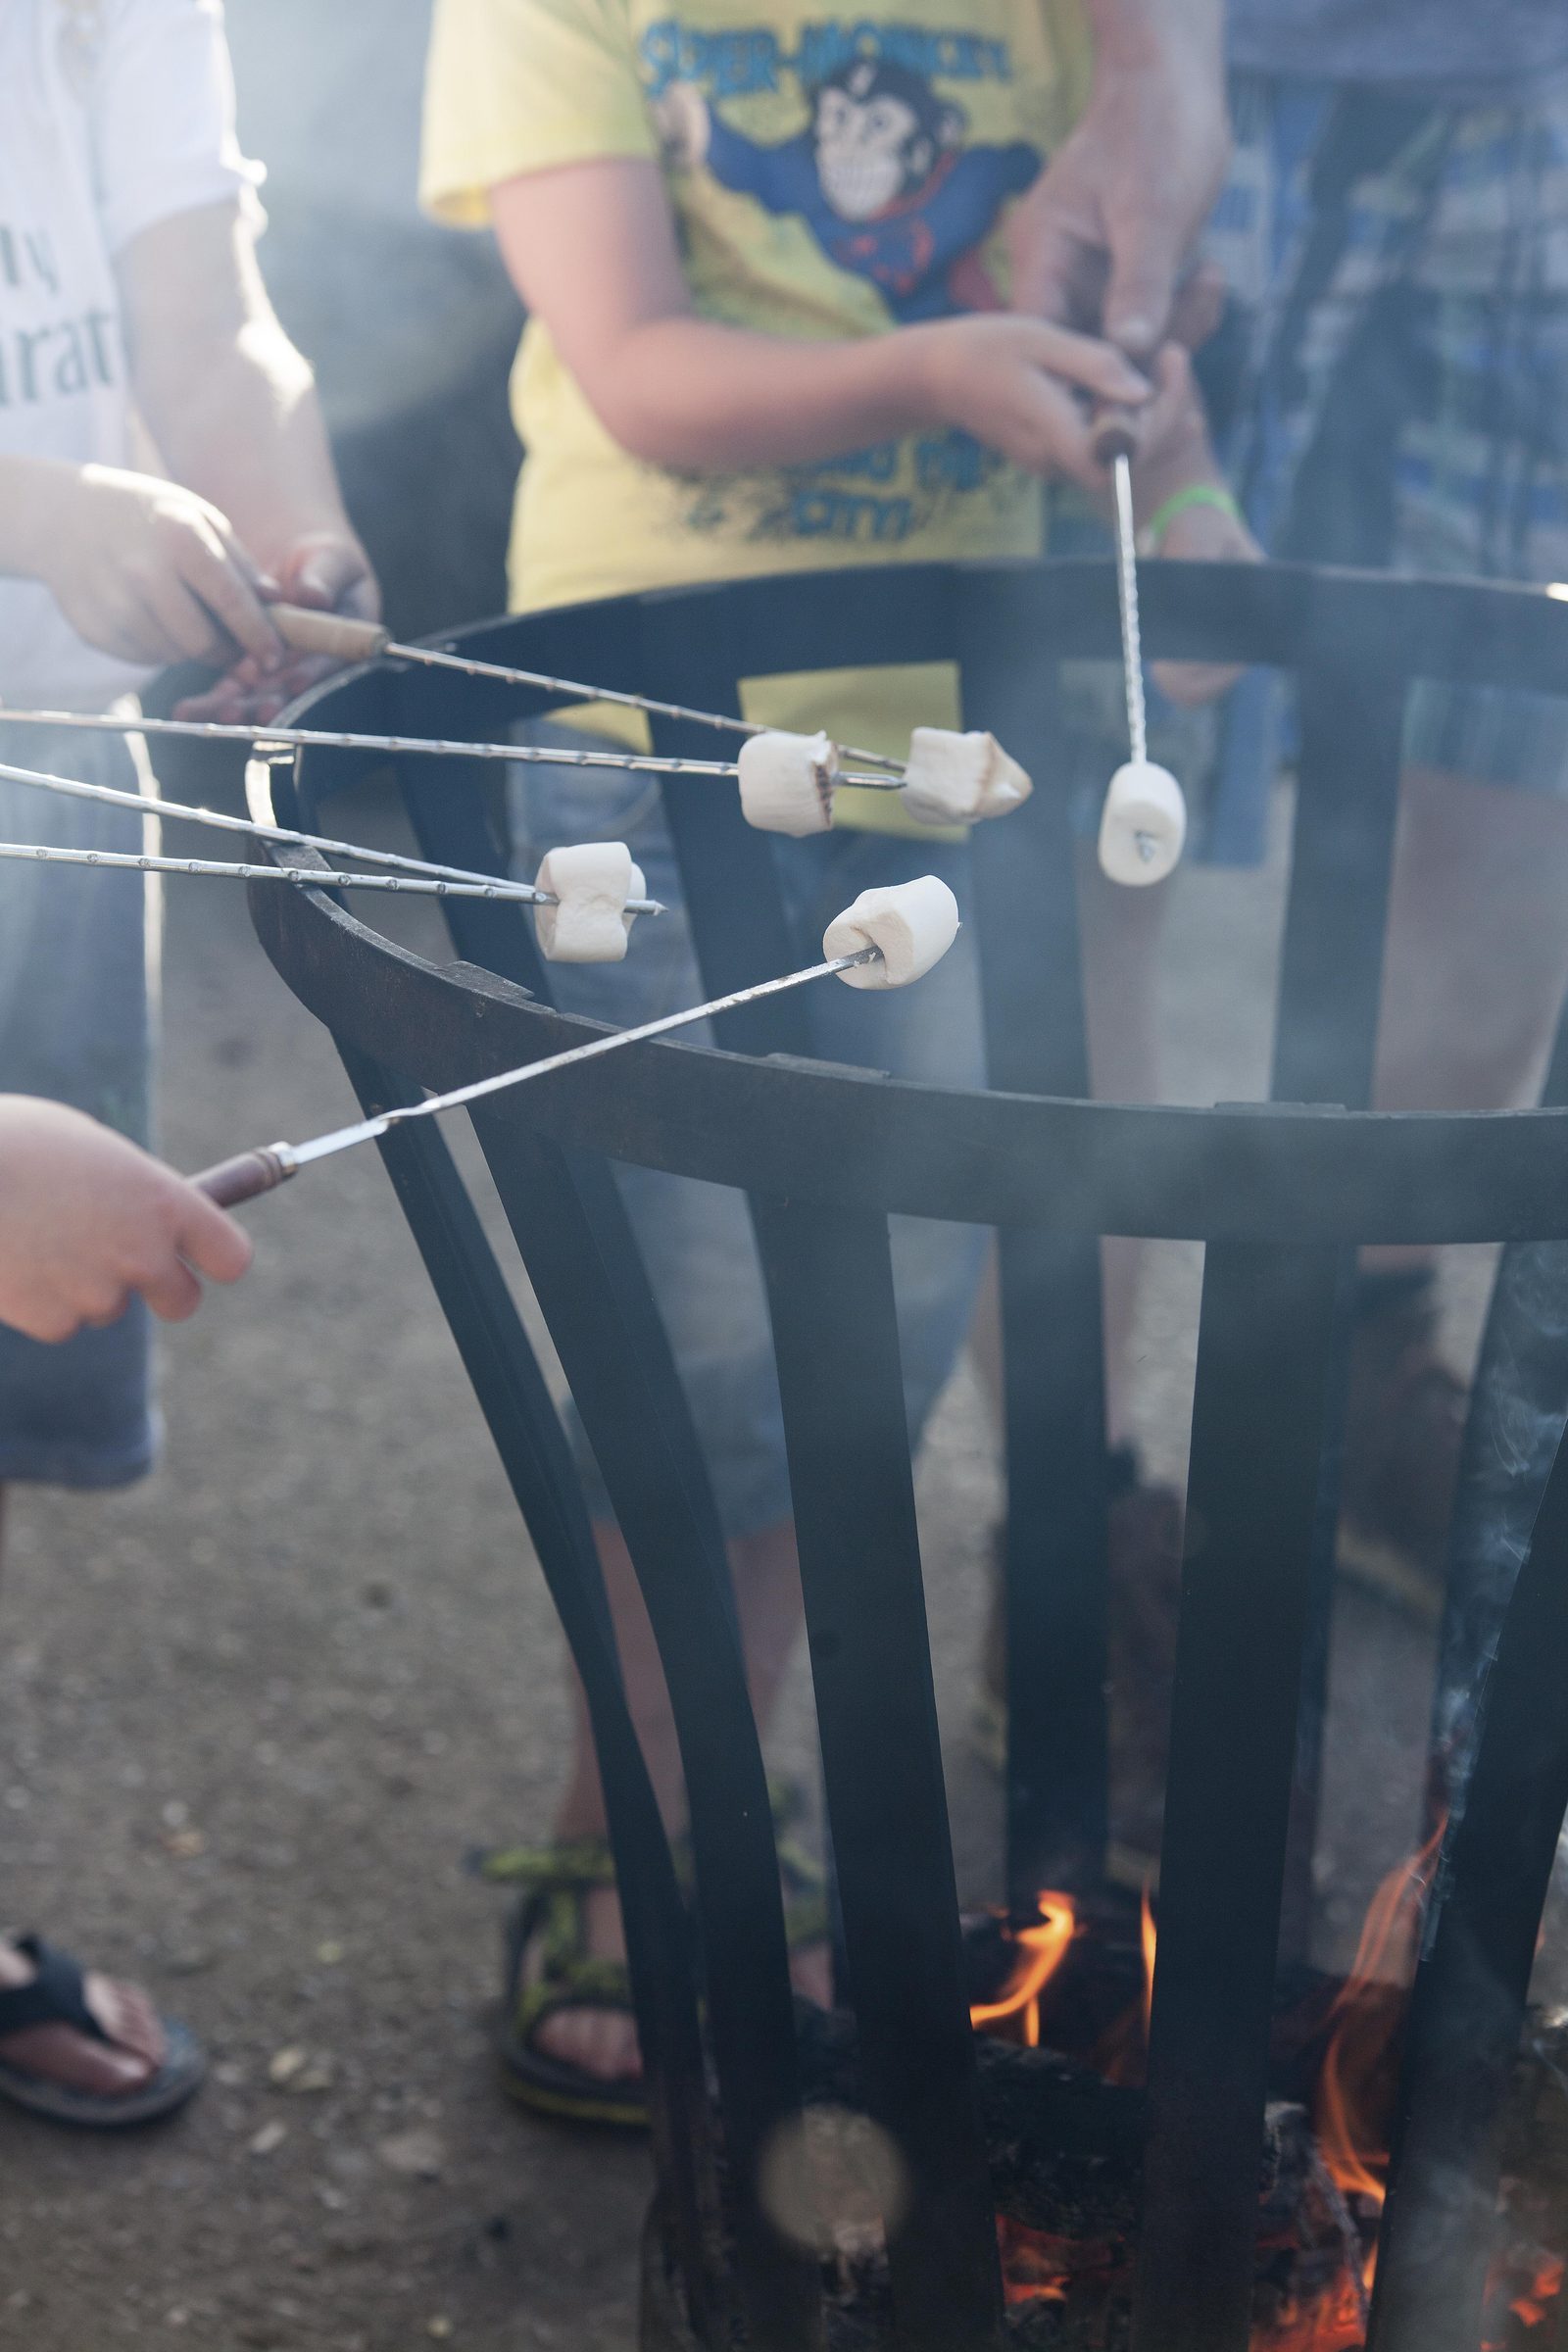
(336, 635)
(1114, 432)
(244, 1178)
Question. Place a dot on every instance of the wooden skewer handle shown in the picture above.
(336, 635)
(244, 1178)
(1114, 432)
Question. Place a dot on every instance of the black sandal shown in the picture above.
(56, 1995)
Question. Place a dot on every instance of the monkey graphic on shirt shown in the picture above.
(880, 176)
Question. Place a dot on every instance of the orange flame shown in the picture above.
(1535, 2305)
(1150, 1940)
(1042, 1949)
(1350, 2134)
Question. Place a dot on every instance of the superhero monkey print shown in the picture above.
(880, 176)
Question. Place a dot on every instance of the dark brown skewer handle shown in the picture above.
(244, 1178)
(336, 634)
(1114, 432)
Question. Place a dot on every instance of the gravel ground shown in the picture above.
(253, 1713)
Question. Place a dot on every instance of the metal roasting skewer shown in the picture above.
(1115, 440)
(1132, 641)
(493, 886)
(349, 640)
(263, 738)
(1132, 649)
(428, 886)
(252, 1173)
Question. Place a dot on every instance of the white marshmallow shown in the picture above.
(957, 780)
(913, 923)
(591, 880)
(1143, 825)
(787, 782)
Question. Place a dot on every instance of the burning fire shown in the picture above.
(1041, 1948)
(1149, 1935)
(1349, 2121)
(1349, 2124)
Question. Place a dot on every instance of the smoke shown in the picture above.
(411, 328)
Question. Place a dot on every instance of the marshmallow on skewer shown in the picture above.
(1143, 825)
(952, 779)
(787, 782)
(912, 923)
(591, 880)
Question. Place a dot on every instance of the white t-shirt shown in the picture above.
(115, 115)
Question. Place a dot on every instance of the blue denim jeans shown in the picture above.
(696, 1238)
(76, 1024)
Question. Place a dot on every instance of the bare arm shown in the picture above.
(230, 403)
(156, 571)
(1100, 239)
(592, 249)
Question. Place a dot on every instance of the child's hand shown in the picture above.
(1177, 456)
(87, 1221)
(327, 570)
(150, 572)
(1015, 384)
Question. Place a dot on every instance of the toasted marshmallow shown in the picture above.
(957, 780)
(787, 782)
(912, 923)
(591, 880)
(1143, 825)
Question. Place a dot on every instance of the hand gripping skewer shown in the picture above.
(457, 880)
(346, 640)
(253, 1173)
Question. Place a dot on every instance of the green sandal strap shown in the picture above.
(586, 1984)
(804, 1884)
(580, 1862)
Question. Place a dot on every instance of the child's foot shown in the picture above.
(602, 2042)
(570, 2044)
(65, 2054)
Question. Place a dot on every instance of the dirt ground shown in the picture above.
(252, 1714)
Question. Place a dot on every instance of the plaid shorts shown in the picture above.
(1390, 385)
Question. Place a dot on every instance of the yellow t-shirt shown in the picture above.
(831, 176)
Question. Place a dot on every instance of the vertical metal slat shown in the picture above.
(830, 1287)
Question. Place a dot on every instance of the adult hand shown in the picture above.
(329, 571)
(1016, 385)
(1101, 240)
(88, 1220)
(149, 571)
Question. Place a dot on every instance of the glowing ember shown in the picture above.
(1042, 1949)
(1523, 2293)
(1039, 2265)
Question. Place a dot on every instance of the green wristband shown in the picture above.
(1194, 494)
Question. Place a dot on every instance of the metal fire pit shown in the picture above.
(1278, 1195)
